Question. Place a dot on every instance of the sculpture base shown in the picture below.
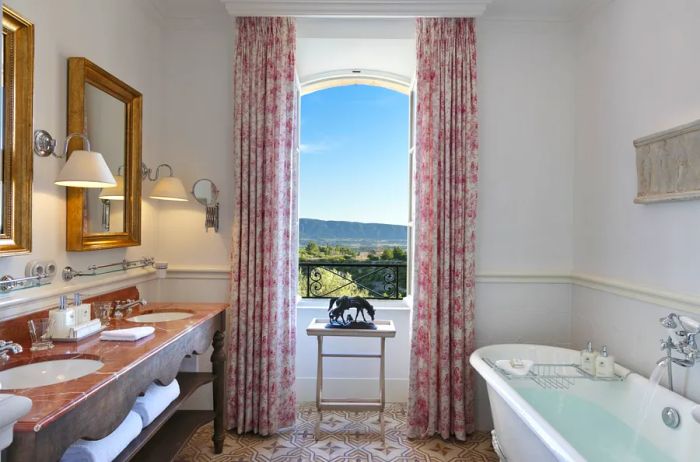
(352, 325)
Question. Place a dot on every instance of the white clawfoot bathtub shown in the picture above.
(595, 421)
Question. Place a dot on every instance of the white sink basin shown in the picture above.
(161, 316)
(47, 373)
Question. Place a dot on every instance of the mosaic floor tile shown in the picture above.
(345, 437)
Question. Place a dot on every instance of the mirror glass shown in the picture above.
(105, 125)
(205, 192)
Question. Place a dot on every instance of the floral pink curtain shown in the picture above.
(261, 330)
(441, 393)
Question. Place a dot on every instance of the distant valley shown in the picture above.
(351, 234)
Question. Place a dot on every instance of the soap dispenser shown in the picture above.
(82, 310)
(588, 359)
(605, 364)
(61, 319)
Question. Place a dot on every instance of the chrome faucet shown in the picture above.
(127, 305)
(685, 329)
(7, 347)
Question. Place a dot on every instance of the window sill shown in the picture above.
(322, 304)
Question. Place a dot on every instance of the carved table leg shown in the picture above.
(218, 361)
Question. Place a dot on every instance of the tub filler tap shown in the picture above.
(684, 330)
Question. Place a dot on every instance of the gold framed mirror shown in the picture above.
(108, 112)
(17, 103)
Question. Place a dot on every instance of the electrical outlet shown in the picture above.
(35, 268)
(41, 268)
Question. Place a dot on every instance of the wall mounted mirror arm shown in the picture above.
(206, 193)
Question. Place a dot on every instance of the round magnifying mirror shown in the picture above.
(205, 192)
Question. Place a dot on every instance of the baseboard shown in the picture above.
(336, 387)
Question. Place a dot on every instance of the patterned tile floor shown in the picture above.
(346, 437)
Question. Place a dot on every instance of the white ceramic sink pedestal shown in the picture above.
(13, 408)
(47, 373)
(161, 316)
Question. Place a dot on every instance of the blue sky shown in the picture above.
(354, 150)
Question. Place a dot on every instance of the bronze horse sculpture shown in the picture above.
(339, 305)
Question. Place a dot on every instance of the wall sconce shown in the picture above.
(83, 169)
(116, 192)
(169, 188)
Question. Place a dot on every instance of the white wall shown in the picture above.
(122, 36)
(526, 85)
(637, 73)
(196, 123)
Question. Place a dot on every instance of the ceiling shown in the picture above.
(557, 10)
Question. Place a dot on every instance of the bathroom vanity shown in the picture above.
(92, 406)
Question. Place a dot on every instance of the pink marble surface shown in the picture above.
(52, 401)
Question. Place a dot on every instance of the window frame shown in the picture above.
(392, 82)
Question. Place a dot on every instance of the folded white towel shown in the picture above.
(154, 401)
(109, 447)
(127, 335)
(515, 366)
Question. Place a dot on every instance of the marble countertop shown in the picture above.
(53, 401)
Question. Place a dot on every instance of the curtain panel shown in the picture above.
(441, 389)
(262, 317)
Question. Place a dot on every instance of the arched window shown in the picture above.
(355, 204)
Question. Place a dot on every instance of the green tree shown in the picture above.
(388, 254)
(399, 254)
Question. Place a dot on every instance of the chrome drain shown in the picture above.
(671, 417)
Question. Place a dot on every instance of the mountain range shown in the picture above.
(344, 232)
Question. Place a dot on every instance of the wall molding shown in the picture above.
(363, 9)
(647, 294)
(198, 272)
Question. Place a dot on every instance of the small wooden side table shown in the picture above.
(317, 327)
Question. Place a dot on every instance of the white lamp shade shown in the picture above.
(169, 188)
(114, 193)
(86, 169)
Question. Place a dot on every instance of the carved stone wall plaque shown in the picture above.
(668, 165)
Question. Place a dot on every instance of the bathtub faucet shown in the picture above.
(685, 329)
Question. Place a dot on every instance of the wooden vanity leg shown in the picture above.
(218, 362)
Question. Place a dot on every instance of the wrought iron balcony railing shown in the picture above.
(378, 280)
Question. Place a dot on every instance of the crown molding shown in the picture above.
(357, 8)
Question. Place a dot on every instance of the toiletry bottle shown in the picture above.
(605, 364)
(588, 357)
(61, 319)
(82, 310)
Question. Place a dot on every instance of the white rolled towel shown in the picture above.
(154, 401)
(515, 367)
(127, 335)
(108, 448)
